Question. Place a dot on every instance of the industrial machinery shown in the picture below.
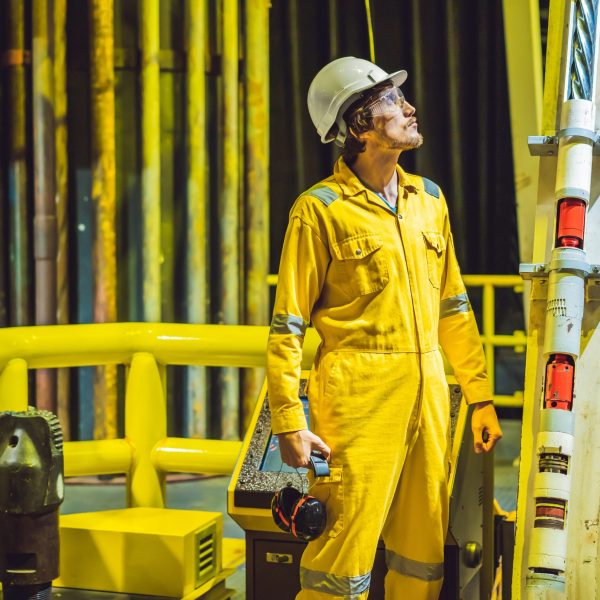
(273, 557)
(31, 491)
(556, 552)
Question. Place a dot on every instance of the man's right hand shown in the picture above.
(296, 446)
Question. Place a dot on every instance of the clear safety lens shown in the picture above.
(389, 102)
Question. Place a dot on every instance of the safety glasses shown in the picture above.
(389, 102)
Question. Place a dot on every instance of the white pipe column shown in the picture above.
(567, 273)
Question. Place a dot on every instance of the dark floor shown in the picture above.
(210, 494)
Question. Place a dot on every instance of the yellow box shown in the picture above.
(155, 551)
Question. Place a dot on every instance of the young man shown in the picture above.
(368, 258)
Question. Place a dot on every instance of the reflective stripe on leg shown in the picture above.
(350, 588)
(414, 568)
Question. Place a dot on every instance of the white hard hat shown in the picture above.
(336, 86)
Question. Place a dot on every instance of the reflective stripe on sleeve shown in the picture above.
(350, 588)
(284, 324)
(414, 568)
(456, 304)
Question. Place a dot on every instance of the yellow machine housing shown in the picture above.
(153, 551)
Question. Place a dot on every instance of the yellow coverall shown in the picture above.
(383, 290)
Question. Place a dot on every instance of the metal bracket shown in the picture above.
(547, 145)
(529, 271)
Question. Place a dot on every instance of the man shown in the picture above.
(368, 258)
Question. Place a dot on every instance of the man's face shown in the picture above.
(394, 122)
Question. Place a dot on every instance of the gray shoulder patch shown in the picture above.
(433, 189)
(325, 194)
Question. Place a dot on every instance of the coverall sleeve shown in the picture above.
(458, 333)
(304, 261)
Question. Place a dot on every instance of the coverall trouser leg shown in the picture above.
(385, 417)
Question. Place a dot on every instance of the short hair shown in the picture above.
(359, 120)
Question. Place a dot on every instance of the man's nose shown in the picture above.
(408, 109)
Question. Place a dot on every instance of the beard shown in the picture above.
(411, 142)
(405, 140)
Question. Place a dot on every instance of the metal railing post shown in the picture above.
(145, 426)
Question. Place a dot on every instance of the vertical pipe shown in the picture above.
(332, 20)
(485, 119)
(229, 214)
(15, 59)
(3, 228)
(150, 124)
(44, 221)
(14, 386)
(297, 96)
(102, 95)
(456, 161)
(419, 50)
(487, 565)
(62, 262)
(370, 30)
(257, 181)
(195, 417)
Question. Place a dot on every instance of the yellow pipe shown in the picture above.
(184, 455)
(102, 85)
(14, 386)
(229, 300)
(17, 177)
(494, 280)
(370, 29)
(195, 415)
(488, 330)
(514, 401)
(97, 457)
(257, 177)
(150, 114)
(44, 220)
(116, 343)
(62, 164)
(145, 426)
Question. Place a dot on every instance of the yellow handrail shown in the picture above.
(146, 454)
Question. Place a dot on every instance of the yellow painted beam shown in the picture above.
(97, 457)
(195, 417)
(524, 66)
(228, 211)
(62, 166)
(102, 84)
(116, 343)
(257, 190)
(44, 220)
(184, 455)
(150, 126)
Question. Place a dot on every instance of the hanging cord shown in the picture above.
(370, 28)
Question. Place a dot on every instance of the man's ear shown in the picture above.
(358, 136)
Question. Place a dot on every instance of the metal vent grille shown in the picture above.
(206, 555)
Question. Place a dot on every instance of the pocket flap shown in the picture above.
(356, 247)
(435, 240)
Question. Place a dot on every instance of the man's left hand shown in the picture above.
(485, 427)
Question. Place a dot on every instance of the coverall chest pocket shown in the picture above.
(363, 264)
(434, 250)
(330, 491)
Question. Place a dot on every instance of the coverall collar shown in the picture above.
(351, 185)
